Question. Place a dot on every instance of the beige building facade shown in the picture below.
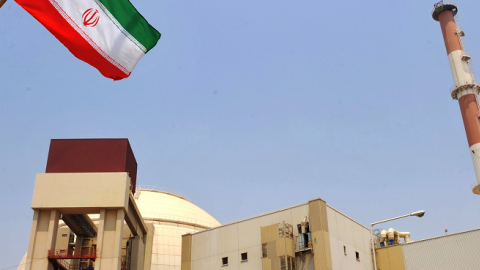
(309, 236)
(454, 251)
(105, 194)
(86, 212)
(167, 214)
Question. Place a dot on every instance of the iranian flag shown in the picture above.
(108, 34)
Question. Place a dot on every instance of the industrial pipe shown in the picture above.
(394, 236)
(383, 237)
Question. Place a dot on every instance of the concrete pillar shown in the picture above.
(138, 251)
(78, 248)
(109, 239)
(42, 239)
(147, 262)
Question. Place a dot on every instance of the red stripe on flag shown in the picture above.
(48, 16)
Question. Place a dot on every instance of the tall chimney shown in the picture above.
(466, 88)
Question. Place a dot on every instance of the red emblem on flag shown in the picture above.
(90, 17)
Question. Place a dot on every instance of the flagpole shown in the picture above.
(2, 2)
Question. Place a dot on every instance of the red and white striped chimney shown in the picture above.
(466, 88)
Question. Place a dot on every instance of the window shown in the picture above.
(71, 238)
(244, 257)
(225, 261)
(64, 235)
(264, 251)
(357, 256)
(345, 250)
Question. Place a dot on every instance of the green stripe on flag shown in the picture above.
(133, 22)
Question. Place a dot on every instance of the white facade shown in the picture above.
(210, 246)
(172, 216)
(345, 231)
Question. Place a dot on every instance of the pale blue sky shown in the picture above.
(250, 106)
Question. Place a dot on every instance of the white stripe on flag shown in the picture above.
(120, 27)
(105, 34)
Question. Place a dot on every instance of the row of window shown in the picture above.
(357, 254)
(243, 256)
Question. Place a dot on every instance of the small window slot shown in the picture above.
(357, 255)
(345, 250)
(244, 256)
(225, 261)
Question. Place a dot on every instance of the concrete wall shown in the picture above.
(167, 245)
(63, 237)
(333, 231)
(93, 191)
(345, 232)
(390, 258)
(209, 247)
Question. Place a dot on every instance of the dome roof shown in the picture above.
(160, 204)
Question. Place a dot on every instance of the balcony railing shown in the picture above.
(86, 253)
(163, 190)
(302, 244)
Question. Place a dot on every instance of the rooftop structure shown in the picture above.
(88, 213)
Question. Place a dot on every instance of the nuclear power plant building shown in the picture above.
(109, 222)
(308, 236)
(89, 213)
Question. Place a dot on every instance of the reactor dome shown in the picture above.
(172, 215)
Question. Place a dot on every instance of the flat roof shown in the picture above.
(276, 211)
(441, 236)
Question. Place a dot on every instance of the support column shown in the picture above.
(187, 252)
(43, 236)
(78, 248)
(109, 239)
(138, 251)
(147, 262)
(317, 211)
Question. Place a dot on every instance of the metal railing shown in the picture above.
(443, 3)
(178, 219)
(301, 244)
(469, 62)
(164, 190)
(442, 6)
(125, 264)
(474, 185)
(63, 264)
(453, 88)
(86, 253)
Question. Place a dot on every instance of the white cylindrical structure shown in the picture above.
(466, 88)
(172, 215)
